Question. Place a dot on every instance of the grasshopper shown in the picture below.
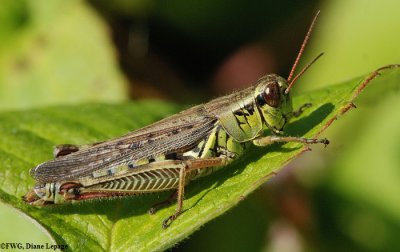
(170, 153)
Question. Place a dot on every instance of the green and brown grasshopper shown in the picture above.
(168, 154)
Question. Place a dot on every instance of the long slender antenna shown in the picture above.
(301, 73)
(302, 49)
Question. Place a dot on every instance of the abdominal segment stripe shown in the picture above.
(148, 181)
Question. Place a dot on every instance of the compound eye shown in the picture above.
(272, 95)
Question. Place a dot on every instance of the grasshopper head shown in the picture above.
(272, 92)
(273, 102)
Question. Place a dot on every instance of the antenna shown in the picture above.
(296, 62)
(301, 72)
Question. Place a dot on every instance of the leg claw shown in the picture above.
(167, 222)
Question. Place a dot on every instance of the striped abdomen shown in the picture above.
(142, 182)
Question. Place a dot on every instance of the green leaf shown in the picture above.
(122, 224)
(55, 52)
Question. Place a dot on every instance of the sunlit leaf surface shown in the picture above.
(123, 224)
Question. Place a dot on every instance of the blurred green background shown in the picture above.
(344, 197)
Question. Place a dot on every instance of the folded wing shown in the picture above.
(177, 133)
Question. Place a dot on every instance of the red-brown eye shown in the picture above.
(272, 95)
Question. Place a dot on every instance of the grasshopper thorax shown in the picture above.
(274, 104)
